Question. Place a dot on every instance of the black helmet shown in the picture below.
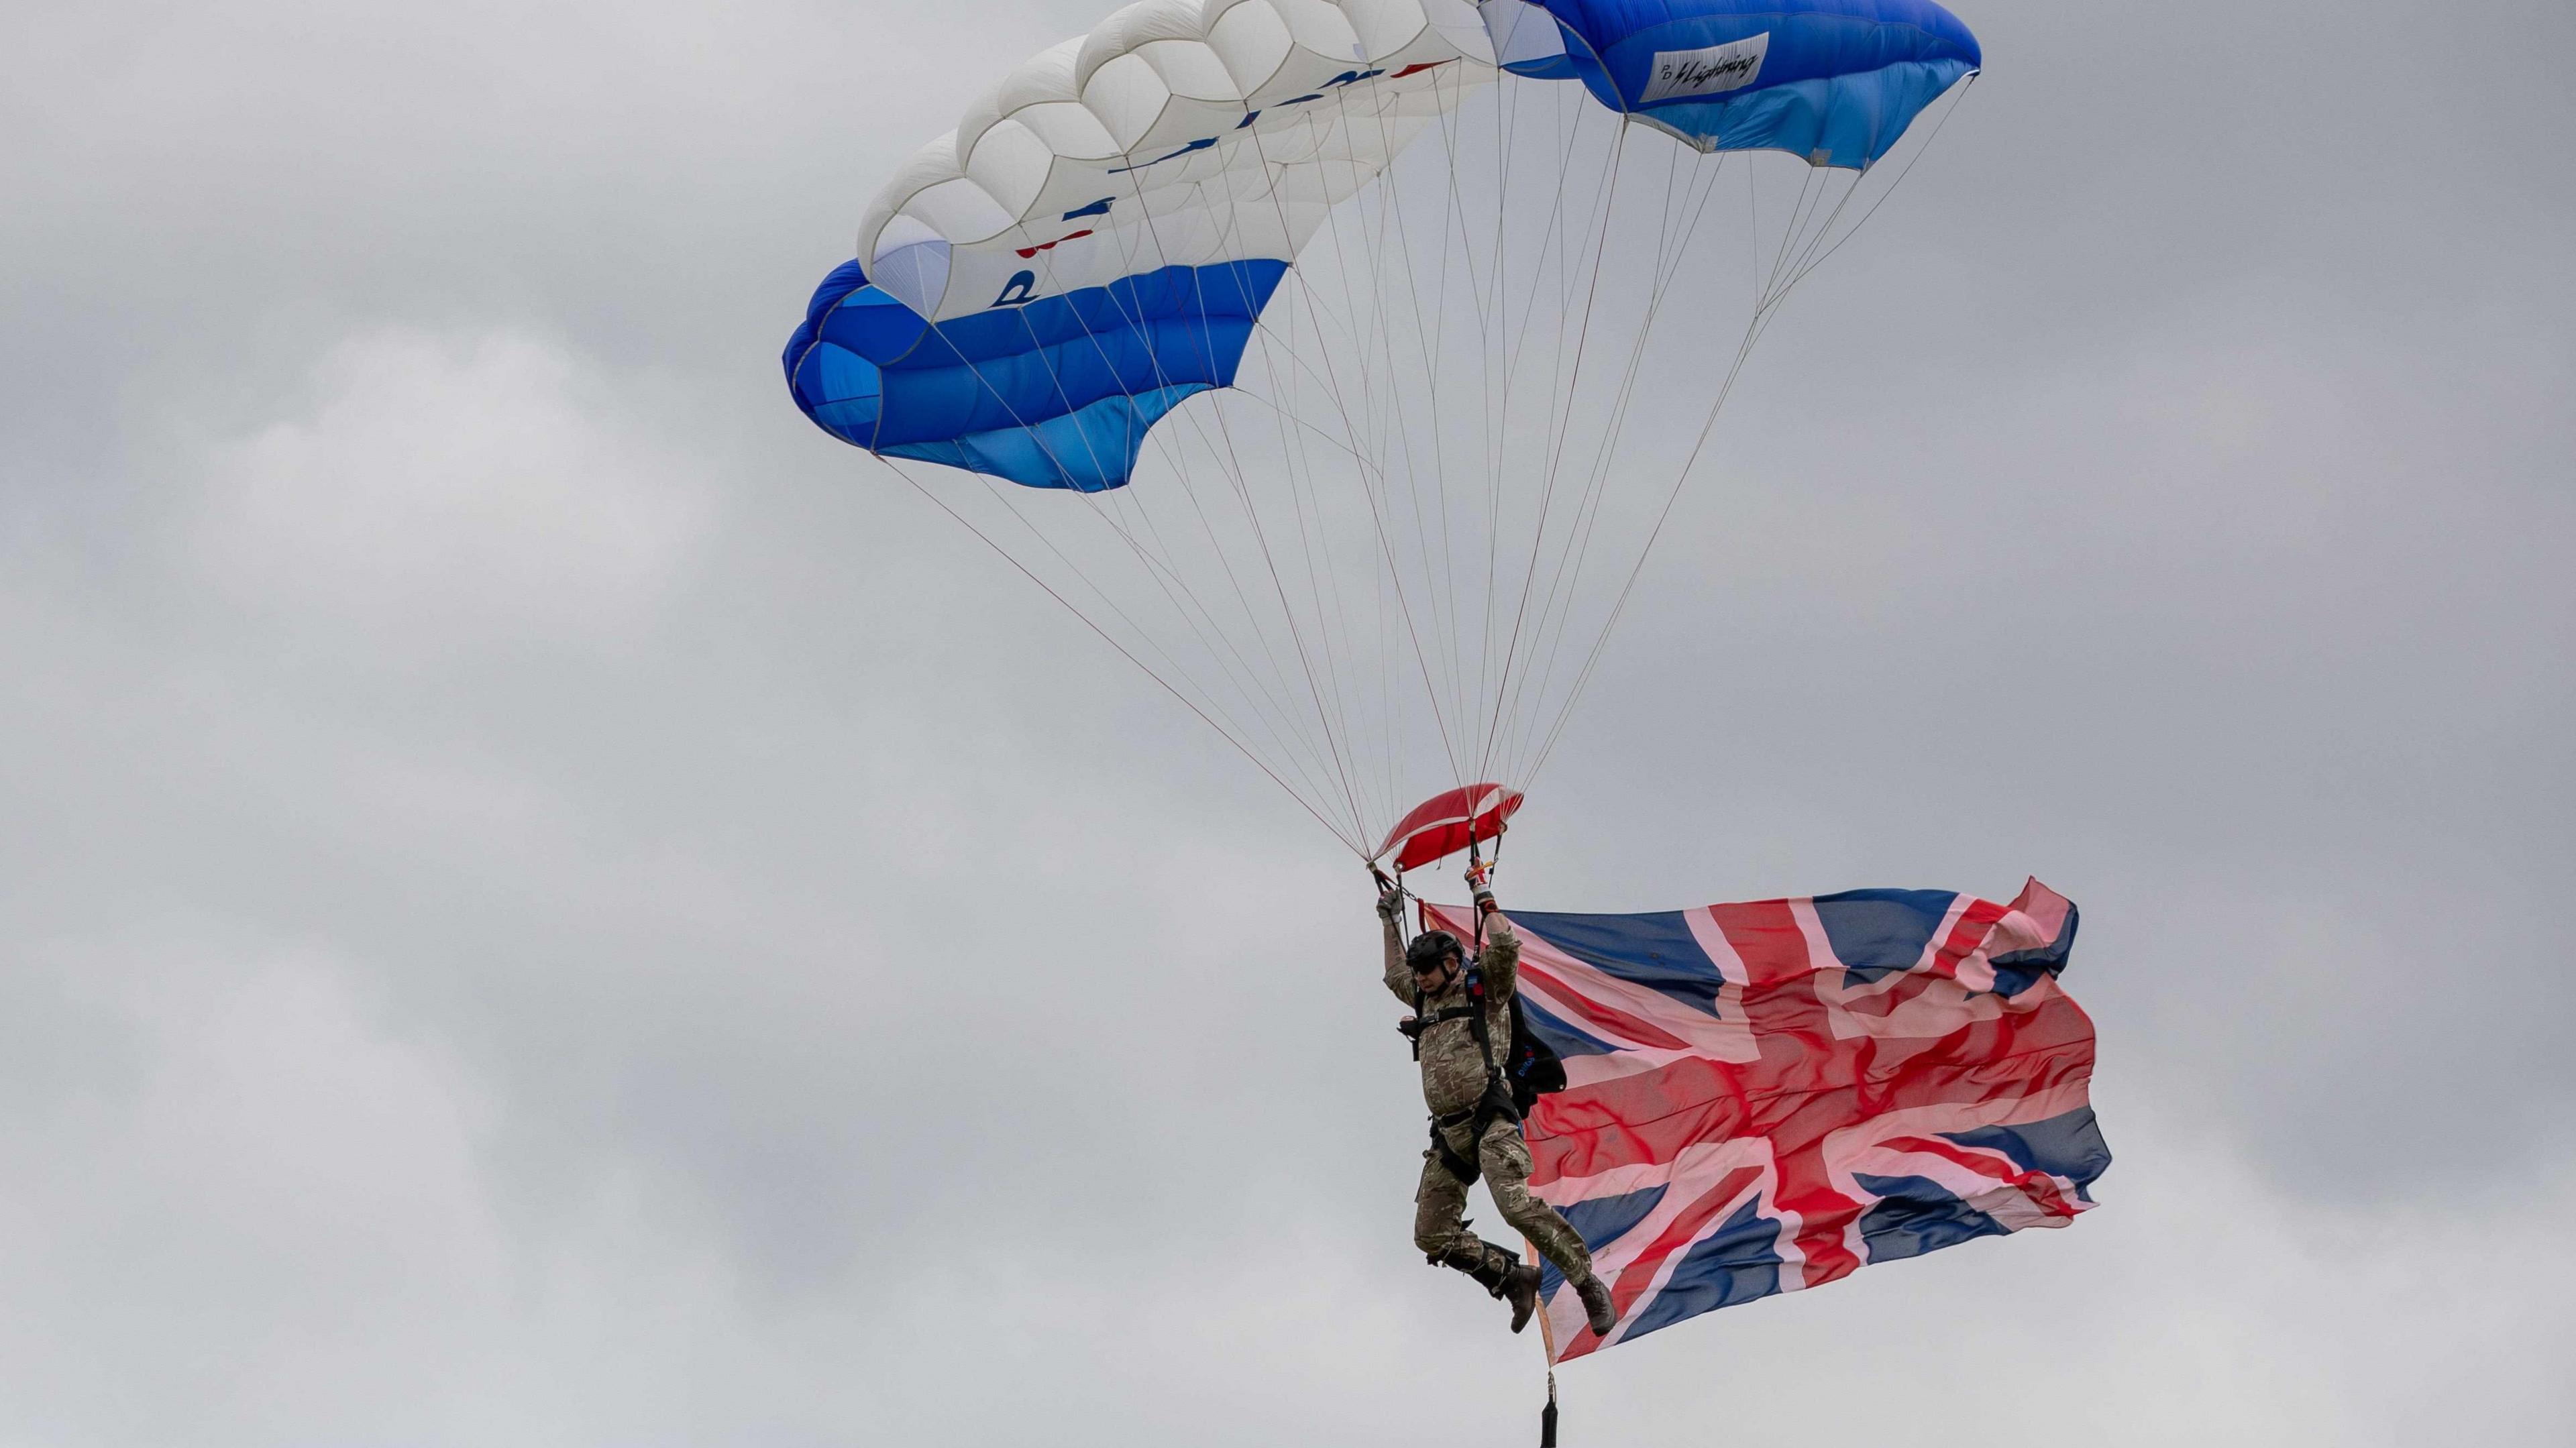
(1429, 946)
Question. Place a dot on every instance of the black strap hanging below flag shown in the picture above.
(1547, 1343)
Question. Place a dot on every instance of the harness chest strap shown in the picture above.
(1422, 1023)
(1473, 1013)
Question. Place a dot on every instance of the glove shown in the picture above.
(1390, 904)
(1480, 884)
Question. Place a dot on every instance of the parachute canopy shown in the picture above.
(1095, 240)
(1340, 361)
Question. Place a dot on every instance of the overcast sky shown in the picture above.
(544, 901)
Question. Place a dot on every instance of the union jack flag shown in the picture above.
(1763, 1097)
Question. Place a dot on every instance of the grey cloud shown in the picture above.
(620, 925)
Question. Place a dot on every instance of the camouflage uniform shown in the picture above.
(1453, 1081)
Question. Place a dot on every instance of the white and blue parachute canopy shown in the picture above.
(1097, 239)
(1339, 362)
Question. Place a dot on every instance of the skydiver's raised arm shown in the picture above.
(1498, 952)
(1499, 958)
(1390, 914)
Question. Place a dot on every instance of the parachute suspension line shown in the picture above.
(1556, 242)
(1291, 457)
(1364, 429)
(1106, 513)
(1805, 260)
(1165, 574)
(1290, 460)
(1673, 252)
(1331, 695)
(1386, 413)
(1761, 321)
(1564, 401)
(1435, 347)
(1788, 234)
(1570, 263)
(1507, 121)
(1557, 403)
(1510, 709)
(1427, 347)
(1299, 486)
(1395, 227)
(1378, 416)
(1334, 741)
(1165, 571)
(1146, 640)
(1493, 327)
(1672, 249)
(1676, 227)
(1377, 515)
(1547, 495)
(1454, 211)
(1391, 219)
(1498, 420)
(1490, 323)
(1356, 843)
(1763, 302)
(1956, 101)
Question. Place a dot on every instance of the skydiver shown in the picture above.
(1475, 1128)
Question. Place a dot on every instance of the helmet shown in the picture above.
(1429, 946)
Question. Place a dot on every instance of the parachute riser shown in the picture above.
(1395, 884)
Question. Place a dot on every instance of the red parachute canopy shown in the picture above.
(1443, 824)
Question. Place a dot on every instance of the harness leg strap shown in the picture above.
(1495, 1105)
(1463, 1168)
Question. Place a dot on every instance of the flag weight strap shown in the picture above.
(1547, 1341)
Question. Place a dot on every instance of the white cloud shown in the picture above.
(433, 480)
(276, 1216)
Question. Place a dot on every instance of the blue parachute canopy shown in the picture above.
(1053, 392)
(1834, 81)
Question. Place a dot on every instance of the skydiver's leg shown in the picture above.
(1506, 1162)
(1440, 1226)
(1440, 1211)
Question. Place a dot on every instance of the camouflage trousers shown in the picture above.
(1440, 1204)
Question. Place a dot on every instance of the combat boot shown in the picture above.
(1509, 1280)
(1598, 1309)
(1520, 1289)
(1501, 1274)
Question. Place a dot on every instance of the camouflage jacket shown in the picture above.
(1453, 1070)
